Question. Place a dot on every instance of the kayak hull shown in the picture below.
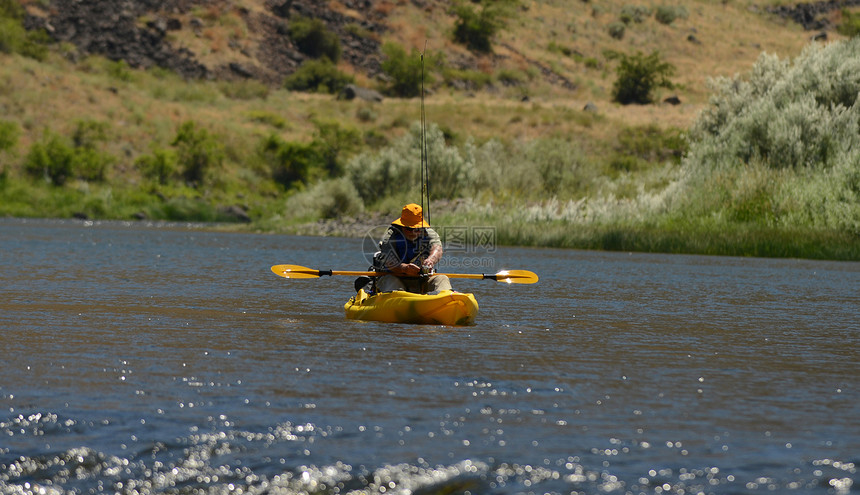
(446, 308)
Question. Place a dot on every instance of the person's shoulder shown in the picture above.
(431, 234)
(391, 233)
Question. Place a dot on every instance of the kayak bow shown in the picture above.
(446, 308)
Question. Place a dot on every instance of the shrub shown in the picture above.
(800, 114)
(313, 38)
(52, 158)
(331, 198)
(634, 13)
(652, 144)
(8, 135)
(850, 25)
(11, 35)
(197, 151)
(616, 30)
(59, 159)
(120, 71)
(365, 114)
(319, 76)
(475, 26)
(88, 133)
(397, 168)
(555, 161)
(638, 76)
(795, 124)
(404, 70)
(666, 14)
(160, 166)
(15, 39)
(11, 9)
(332, 140)
(290, 163)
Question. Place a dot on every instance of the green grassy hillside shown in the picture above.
(511, 141)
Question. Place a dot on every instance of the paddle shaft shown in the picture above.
(477, 276)
(507, 276)
(348, 273)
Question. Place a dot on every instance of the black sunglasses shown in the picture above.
(410, 229)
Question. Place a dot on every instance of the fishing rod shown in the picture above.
(425, 166)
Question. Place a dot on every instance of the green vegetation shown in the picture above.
(313, 38)
(58, 159)
(476, 25)
(638, 76)
(634, 13)
(666, 14)
(320, 76)
(14, 38)
(769, 168)
(780, 149)
(405, 70)
(617, 29)
(850, 25)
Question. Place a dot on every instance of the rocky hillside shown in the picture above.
(225, 39)
(148, 33)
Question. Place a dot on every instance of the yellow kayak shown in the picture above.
(446, 308)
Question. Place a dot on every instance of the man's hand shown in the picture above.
(407, 270)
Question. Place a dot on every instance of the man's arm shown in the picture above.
(434, 257)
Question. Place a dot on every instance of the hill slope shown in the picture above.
(544, 91)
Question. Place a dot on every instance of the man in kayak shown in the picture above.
(409, 251)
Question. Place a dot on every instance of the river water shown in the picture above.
(168, 358)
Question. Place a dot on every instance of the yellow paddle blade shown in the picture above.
(295, 271)
(506, 276)
(516, 277)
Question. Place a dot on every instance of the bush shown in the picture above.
(555, 161)
(51, 158)
(331, 198)
(404, 70)
(319, 76)
(120, 71)
(313, 38)
(15, 39)
(850, 25)
(59, 159)
(8, 135)
(638, 76)
(783, 141)
(332, 141)
(290, 163)
(634, 13)
(652, 144)
(666, 14)
(397, 168)
(789, 115)
(11, 9)
(616, 30)
(160, 166)
(475, 26)
(197, 151)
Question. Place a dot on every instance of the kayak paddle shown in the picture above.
(506, 276)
